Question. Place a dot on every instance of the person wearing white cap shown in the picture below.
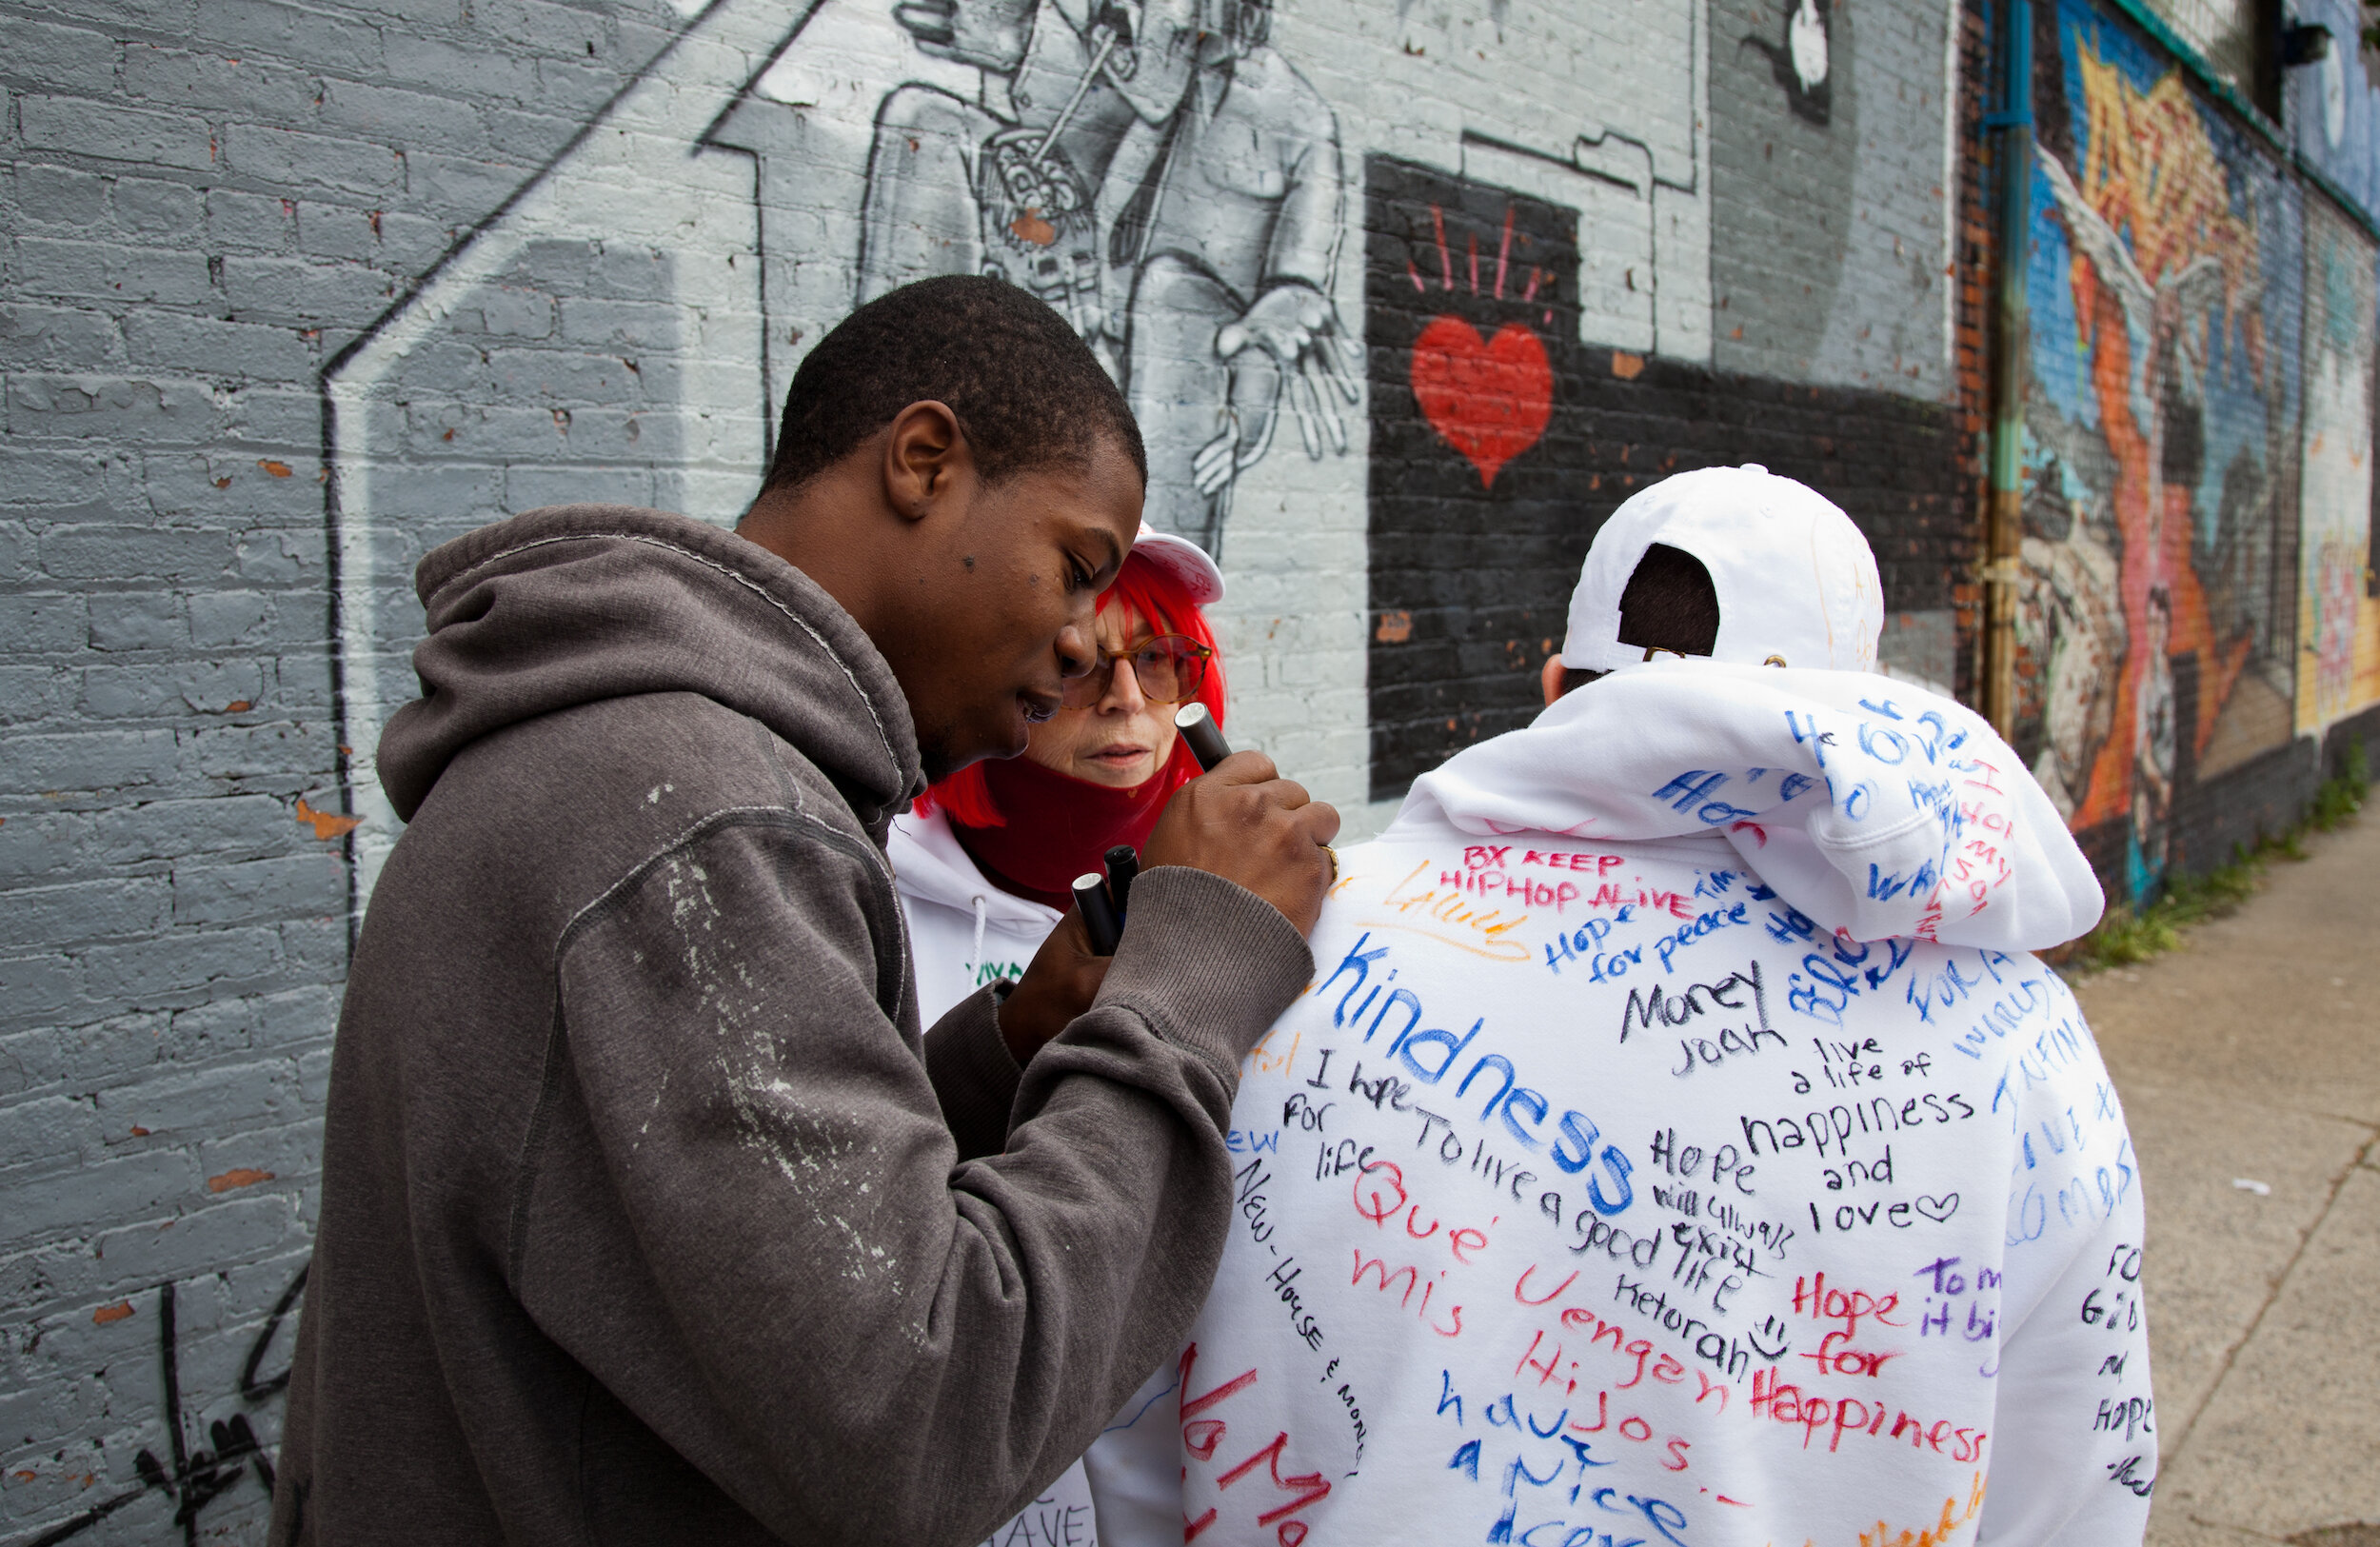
(1677, 1145)
(983, 862)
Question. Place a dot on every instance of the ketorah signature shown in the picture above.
(197, 1478)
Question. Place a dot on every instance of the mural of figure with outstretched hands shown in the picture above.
(1157, 172)
(1006, 184)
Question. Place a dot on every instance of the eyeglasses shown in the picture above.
(1169, 669)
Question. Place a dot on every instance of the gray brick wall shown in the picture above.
(1829, 264)
(200, 202)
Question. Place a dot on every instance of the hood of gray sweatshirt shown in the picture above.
(575, 605)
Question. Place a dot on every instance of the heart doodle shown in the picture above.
(1487, 398)
(1939, 1209)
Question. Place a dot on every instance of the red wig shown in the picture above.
(1164, 607)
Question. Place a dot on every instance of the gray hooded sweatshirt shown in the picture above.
(647, 1215)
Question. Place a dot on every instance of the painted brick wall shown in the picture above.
(2194, 625)
(201, 203)
(1831, 359)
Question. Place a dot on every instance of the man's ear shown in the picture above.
(926, 458)
(1552, 678)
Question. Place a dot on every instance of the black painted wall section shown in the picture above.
(2217, 820)
(1496, 458)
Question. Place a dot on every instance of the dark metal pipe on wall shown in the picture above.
(2012, 347)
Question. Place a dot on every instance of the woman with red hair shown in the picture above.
(985, 860)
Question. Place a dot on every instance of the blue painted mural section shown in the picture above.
(2333, 106)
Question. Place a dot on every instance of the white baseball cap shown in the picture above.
(1796, 583)
(1183, 560)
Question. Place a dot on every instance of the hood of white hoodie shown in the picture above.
(929, 864)
(1872, 807)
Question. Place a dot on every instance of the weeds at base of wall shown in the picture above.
(2129, 934)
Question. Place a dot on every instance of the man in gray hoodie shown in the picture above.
(648, 1215)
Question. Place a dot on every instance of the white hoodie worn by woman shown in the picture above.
(1678, 1147)
(964, 932)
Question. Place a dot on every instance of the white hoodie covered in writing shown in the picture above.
(1678, 1146)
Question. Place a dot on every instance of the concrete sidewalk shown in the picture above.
(2253, 1055)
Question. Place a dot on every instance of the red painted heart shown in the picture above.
(1488, 399)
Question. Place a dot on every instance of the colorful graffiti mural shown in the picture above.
(2160, 622)
(2338, 663)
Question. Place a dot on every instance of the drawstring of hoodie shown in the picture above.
(975, 959)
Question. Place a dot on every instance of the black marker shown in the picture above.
(1206, 740)
(1099, 915)
(1124, 863)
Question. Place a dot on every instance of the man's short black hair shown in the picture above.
(1027, 391)
(1670, 604)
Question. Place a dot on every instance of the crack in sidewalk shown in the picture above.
(2280, 1280)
